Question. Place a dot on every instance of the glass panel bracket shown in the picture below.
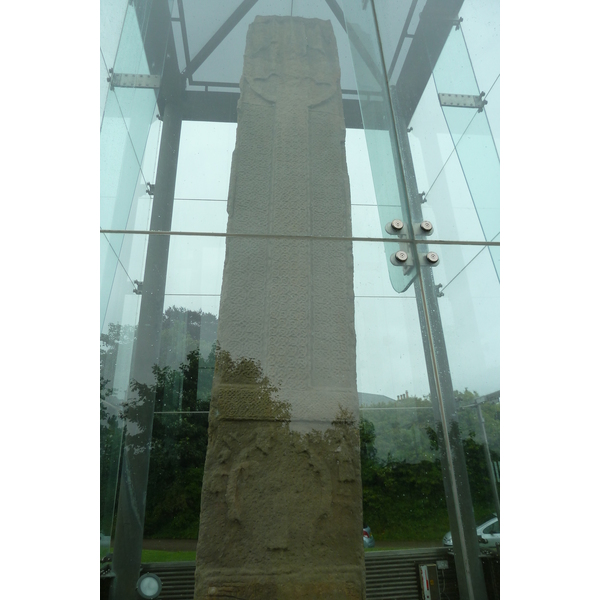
(463, 101)
(404, 257)
(132, 80)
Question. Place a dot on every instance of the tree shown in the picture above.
(180, 392)
(403, 491)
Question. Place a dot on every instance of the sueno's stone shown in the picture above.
(281, 514)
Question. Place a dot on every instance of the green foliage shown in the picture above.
(469, 420)
(183, 331)
(182, 383)
(179, 444)
(403, 489)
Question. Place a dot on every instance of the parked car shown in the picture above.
(368, 539)
(488, 533)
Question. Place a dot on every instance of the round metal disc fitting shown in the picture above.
(401, 256)
(397, 224)
(432, 257)
(426, 226)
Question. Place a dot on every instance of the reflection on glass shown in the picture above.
(121, 264)
(195, 265)
(453, 71)
(470, 131)
(450, 206)
(204, 164)
(403, 490)
(111, 433)
(470, 313)
(378, 123)
(479, 160)
(295, 344)
(117, 155)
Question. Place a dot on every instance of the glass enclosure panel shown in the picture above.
(117, 336)
(449, 205)
(479, 160)
(219, 29)
(179, 442)
(112, 15)
(481, 30)
(379, 127)
(138, 109)
(144, 37)
(204, 165)
(403, 490)
(453, 153)
(459, 178)
(195, 265)
(104, 85)
(430, 141)
(453, 72)
(391, 382)
(120, 167)
(203, 179)
(127, 268)
(202, 216)
(209, 21)
(394, 21)
(136, 217)
(131, 57)
(202, 184)
(469, 312)
(472, 140)
(492, 111)
(288, 322)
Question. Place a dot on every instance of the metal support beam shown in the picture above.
(154, 19)
(437, 19)
(463, 101)
(403, 36)
(221, 107)
(356, 42)
(184, 36)
(139, 410)
(238, 14)
(134, 80)
(338, 12)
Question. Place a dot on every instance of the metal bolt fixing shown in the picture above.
(397, 224)
(432, 257)
(401, 256)
(426, 226)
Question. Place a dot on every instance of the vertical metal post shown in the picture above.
(454, 470)
(460, 507)
(139, 410)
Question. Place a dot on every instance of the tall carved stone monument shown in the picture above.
(281, 500)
